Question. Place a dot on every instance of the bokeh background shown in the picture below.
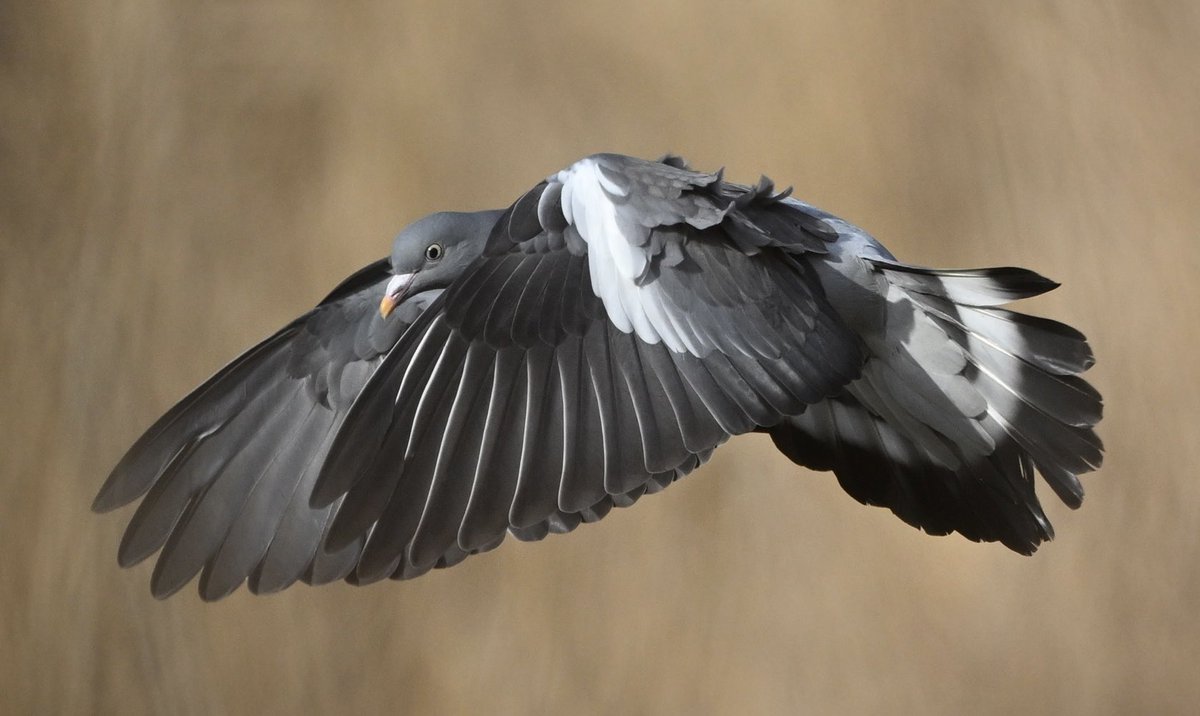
(177, 179)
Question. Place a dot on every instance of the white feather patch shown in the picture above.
(616, 258)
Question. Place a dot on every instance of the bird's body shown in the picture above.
(528, 370)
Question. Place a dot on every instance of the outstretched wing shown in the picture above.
(625, 318)
(227, 474)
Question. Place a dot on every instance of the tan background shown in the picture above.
(177, 179)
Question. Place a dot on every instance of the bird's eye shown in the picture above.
(433, 252)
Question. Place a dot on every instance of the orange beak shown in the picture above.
(396, 289)
(386, 306)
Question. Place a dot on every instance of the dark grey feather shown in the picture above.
(495, 478)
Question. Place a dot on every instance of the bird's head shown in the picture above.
(433, 251)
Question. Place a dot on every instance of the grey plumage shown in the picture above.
(593, 343)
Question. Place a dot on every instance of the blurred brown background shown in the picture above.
(178, 179)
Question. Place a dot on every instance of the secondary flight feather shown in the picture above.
(523, 371)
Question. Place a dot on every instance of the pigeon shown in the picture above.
(525, 370)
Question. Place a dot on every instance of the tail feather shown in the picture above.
(1067, 398)
(969, 287)
(958, 404)
(1050, 345)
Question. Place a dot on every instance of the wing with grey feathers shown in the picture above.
(225, 476)
(619, 326)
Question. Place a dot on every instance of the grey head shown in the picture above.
(433, 251)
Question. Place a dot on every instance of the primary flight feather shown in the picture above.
(525, 370)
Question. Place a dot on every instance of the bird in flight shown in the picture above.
(526, 370)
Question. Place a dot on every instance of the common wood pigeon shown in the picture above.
(526, 370)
